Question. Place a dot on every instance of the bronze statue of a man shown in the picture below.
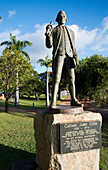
(64, 56)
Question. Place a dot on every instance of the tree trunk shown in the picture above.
(6, 105)
(17, 92)
(35, 97)
(47, 89)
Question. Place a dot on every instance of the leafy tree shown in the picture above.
(34, 86)
(92, 78)
(48, 63)
(11, 63)
(19, 45)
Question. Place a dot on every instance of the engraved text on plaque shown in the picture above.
(80, 136)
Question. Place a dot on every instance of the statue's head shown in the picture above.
(61, 18)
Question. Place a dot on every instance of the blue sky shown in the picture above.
(27, 19)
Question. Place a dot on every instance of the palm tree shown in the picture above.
(19, 45)
(48, 63)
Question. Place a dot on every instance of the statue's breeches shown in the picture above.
(60, 62)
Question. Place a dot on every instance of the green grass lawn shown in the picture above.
(104, 149)
(17, 139)
(17, 134)
(26, 103)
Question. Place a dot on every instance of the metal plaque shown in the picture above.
(80, 136)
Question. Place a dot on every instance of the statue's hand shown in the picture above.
(49, 29)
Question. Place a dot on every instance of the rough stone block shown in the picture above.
(46, 134)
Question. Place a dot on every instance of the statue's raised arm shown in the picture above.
(48, 35)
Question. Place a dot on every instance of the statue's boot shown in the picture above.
(53, 104)
(75, 102)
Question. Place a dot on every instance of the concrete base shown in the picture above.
(47, 156)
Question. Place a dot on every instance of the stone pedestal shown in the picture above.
(48, 156)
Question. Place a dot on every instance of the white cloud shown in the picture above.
(88, 42)
(83, 36)
(20, 25)
(37, 26)
(101, 40)
(93, 41)
(11, 13)
(105, 23)
(38, 49)
(4, 36)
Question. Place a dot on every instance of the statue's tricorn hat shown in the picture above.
(59, 14)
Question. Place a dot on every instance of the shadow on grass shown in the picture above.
(11, 105)
(21, 114)
(64, 100)
(31, 107)
(32, 98)
(1, 111)
(2, 103)
(24, 106)
(8, 155)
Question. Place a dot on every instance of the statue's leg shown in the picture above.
(71, 82)
(57, 71)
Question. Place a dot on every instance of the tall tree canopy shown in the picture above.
(12, 62)
(19, 46)
(92, 78)
(47, 62)
(34, 86)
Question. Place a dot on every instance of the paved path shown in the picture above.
(88, 106)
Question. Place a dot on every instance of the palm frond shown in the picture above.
(8, 43)
(25, 54)
(27, 43)
(22, 44)
(43, 64)
(47, 62)
(18, 45)
(40, 60)
(13, 39)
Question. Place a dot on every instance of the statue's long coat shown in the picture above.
(55, 39)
